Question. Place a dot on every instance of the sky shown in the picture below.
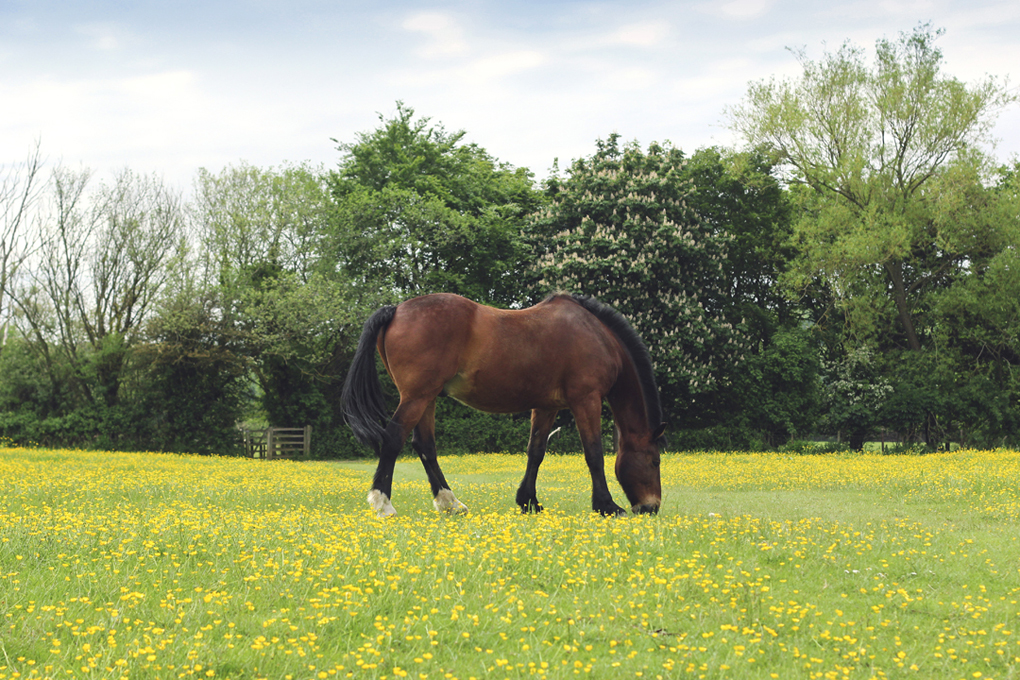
(171, 87)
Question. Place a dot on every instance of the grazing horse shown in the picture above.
(568, 351)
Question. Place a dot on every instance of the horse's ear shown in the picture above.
(659, 431)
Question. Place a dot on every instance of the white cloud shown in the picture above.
(445, 35)
(468, 76)
(109, 121)
(159, 90)
(104, 37)
(630, 79)
(505, 64)
(644, 34)
(742, 9)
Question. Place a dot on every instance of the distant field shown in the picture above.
(759, 566)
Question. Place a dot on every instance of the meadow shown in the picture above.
(142, 565)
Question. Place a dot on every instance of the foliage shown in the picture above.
(737, 195)
(890, 155)
(103, 261)
(905, 240)
(780, 387)
(854, 393)
(286, 317)
(192, 380)
(24, 385)
(855, 269)
(773, 395)
(619, 228)
(419, 211)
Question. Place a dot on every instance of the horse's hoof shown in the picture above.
(380, 502)
(446, 502)
(530, 507)
(613, 510)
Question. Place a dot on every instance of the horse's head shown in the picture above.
(637, 470)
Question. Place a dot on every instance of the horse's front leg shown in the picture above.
(541, 424)
(588, 415)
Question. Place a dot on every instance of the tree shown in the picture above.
(976, 334)
(879, 150)
(854, 395)
(102, 263)
(778, 389)
(19, 189)
(420, 211)
(284, 311)
(248, 217)
(192, 382)
(619, 228)
(736, 194)
(262, 234)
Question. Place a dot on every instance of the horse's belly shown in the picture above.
(493, 397)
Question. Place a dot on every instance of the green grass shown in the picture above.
(759, 566)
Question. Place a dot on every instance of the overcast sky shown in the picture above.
(171, 87)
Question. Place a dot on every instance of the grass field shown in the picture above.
(759, 566)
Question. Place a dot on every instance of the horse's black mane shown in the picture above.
(622, 329)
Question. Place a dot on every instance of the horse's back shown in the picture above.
(499, 360)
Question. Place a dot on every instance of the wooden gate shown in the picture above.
(278, 442)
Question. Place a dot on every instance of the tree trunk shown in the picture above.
(894, 269)
(857, 439)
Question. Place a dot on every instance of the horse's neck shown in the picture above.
(627, 399)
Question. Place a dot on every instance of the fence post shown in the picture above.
(308, 440)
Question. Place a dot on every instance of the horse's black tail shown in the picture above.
(362, 402)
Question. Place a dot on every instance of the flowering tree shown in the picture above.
(618, 228)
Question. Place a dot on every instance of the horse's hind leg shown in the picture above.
(404, 419)
(541, 424)
(424, 443)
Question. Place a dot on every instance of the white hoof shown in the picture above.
(446, 502)
(381, 504)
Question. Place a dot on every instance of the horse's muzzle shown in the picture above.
(649, 507)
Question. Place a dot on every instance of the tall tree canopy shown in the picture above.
(619, 228)
(285, 312)
(900, 222)
(420, 211)
(882, 150)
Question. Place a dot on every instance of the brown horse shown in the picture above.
(565, 352)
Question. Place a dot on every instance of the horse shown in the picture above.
(568, 351)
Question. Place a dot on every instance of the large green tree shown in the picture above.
(881, 149)
(774, 393)
(736, 194)
(898, 221)
(976, 329)
(421, 211)
(283, 312)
